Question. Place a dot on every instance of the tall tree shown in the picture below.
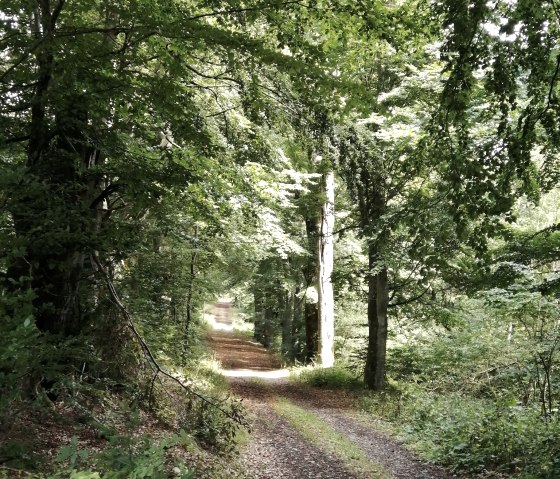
(112, 113)
(324, 275)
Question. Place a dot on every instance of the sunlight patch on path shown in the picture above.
(220, 326)
(239, 352)
(251, 373)
(336, 443)
(220, 318)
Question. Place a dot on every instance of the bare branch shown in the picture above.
(56, 12)
(146, 349)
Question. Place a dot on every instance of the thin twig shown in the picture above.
(146, 349)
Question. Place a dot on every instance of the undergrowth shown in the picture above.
(463, 432)
(337, 377)
(146, 427)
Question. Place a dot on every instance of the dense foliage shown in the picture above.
(156, 154)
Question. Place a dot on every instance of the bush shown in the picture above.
(214, 428)
(336, 377)
(473, 434)
(128, 457)
(390, 403)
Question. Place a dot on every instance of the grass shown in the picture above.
(336, 377)
(314, 429)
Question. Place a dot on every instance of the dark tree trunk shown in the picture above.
(311, 310)
(311, 331)
(298, 326)
(52, 210)
(287, 315)
(188, 319)
(259, 315)
(60, 228)
(268, 327)
(378, 299)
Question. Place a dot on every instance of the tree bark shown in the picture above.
(259, 314)
(268, 326)
(297, 340)
(311, 311)
(55, 271)
(287, 315)
(325, 269)
(188, 319)
(53, 214)
(378, 300)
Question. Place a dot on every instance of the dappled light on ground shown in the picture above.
(222, 327)
(220, 318)
(252, 373)
(323, 416)
(239, 356)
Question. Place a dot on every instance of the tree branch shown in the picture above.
(147, 351)
(56, 12)
(244, 10)
(15, 139)
(410, 300)
(112, 188)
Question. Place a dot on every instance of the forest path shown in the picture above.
(284, 447)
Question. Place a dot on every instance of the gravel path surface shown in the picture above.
(401, 463)
(276, 450)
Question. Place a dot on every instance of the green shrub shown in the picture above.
(336, 377)
(477, 435)
(389, 404)
(128, 457)
(19, 454)
(214, 428)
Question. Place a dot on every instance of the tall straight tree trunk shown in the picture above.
(268, 326)
(287, 317)
(297, 340)
(259, 314)
(188, 319)
(325, 269)
(311, 331)
(378, 300)
(311, 310)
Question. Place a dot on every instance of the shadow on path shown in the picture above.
(278, 451)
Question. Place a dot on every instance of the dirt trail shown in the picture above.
(276, 450)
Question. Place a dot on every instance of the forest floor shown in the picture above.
(300, 432)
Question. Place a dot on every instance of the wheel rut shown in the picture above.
(276, 449)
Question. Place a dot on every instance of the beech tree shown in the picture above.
(324, 275)
(110, 115)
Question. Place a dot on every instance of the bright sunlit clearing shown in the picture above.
(220, 326)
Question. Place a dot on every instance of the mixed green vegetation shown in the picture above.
(328, 439)
(375, 182)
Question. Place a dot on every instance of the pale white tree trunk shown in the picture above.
(326, 263)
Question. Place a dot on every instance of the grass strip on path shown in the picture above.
(313, 428)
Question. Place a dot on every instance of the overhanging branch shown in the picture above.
(146, 349)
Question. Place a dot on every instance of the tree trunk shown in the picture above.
(188, 319)
(311, 310)
(268, 326)
(297, 339)
(55, 215)
(311, 331)
(259, 315)
(287, 315)
(378, 300)
(325, 269)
